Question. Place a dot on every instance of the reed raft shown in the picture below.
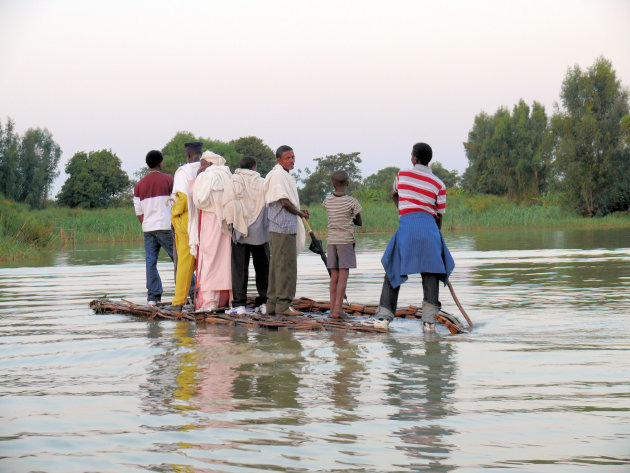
(313, 319)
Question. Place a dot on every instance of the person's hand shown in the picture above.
(305, 214)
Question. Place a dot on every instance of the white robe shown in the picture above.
(249, 198)
(279, 184)
(212, 192)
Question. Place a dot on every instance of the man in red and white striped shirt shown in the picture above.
(419, 190)
(417, 246)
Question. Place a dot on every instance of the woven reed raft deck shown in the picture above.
(313, 319)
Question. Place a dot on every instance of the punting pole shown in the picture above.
(459, 306)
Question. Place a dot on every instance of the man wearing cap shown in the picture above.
(150, 201)
(286, 233)
(182, 195)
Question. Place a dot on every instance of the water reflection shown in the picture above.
(538, 386)
(422, 386)
(549, 238)
(276, 388)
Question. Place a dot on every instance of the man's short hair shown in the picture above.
(154, 157)
(339, 178)
(423, 152)
(282, 149)
(248, 162)
(196, 155)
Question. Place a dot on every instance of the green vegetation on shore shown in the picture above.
(25, 232)
(476, 212)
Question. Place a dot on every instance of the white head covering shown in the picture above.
(212, 192)
(213, 158)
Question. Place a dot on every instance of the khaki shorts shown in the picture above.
(341, 256)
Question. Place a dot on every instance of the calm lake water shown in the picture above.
(541, 385)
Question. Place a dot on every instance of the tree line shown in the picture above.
(581, 153)
(96, 178)
(28, 164)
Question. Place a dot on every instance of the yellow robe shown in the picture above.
(185, 260)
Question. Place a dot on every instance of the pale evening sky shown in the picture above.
(324, 77)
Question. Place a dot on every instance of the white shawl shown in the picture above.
(212, 192)
(182, 182)
(279, 184)
(183, 175)
(249, 198)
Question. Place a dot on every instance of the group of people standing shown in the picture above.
(219, 220)
(210, 221)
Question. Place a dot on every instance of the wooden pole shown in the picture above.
(459, 306)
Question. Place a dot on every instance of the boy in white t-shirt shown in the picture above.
(343, 213)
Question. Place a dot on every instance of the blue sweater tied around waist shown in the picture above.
(417, 247)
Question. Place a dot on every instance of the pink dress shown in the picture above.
(214, 268)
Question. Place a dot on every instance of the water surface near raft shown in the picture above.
(538, 386)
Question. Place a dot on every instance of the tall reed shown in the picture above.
(25, 232)
(466, 212)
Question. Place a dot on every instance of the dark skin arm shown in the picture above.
(358, 221)
(289, 207)
(140, 217)
(395, 197)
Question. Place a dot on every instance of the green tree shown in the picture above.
(96, 180)
(509, 153)
(482, 174)
(317, 184)
(377, 187)
(227, 150)
(255, 147)
(173, 152)
(37, 166)
(449, 178)
(9, 158)
(591, 140)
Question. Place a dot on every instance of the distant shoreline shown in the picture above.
(25, 233)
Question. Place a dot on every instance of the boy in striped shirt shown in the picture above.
(344, 212)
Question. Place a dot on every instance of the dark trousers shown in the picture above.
(240, 272)
(153, 241)
(389, 294)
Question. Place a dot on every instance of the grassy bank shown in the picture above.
(97, 225)
(25, 232)
(465, 212)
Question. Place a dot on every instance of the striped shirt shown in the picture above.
(281, 220)
(150, 197)
(419, 190)
(341, 211)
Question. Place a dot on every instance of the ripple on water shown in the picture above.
(538, 386)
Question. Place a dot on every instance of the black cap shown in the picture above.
(193, 146)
